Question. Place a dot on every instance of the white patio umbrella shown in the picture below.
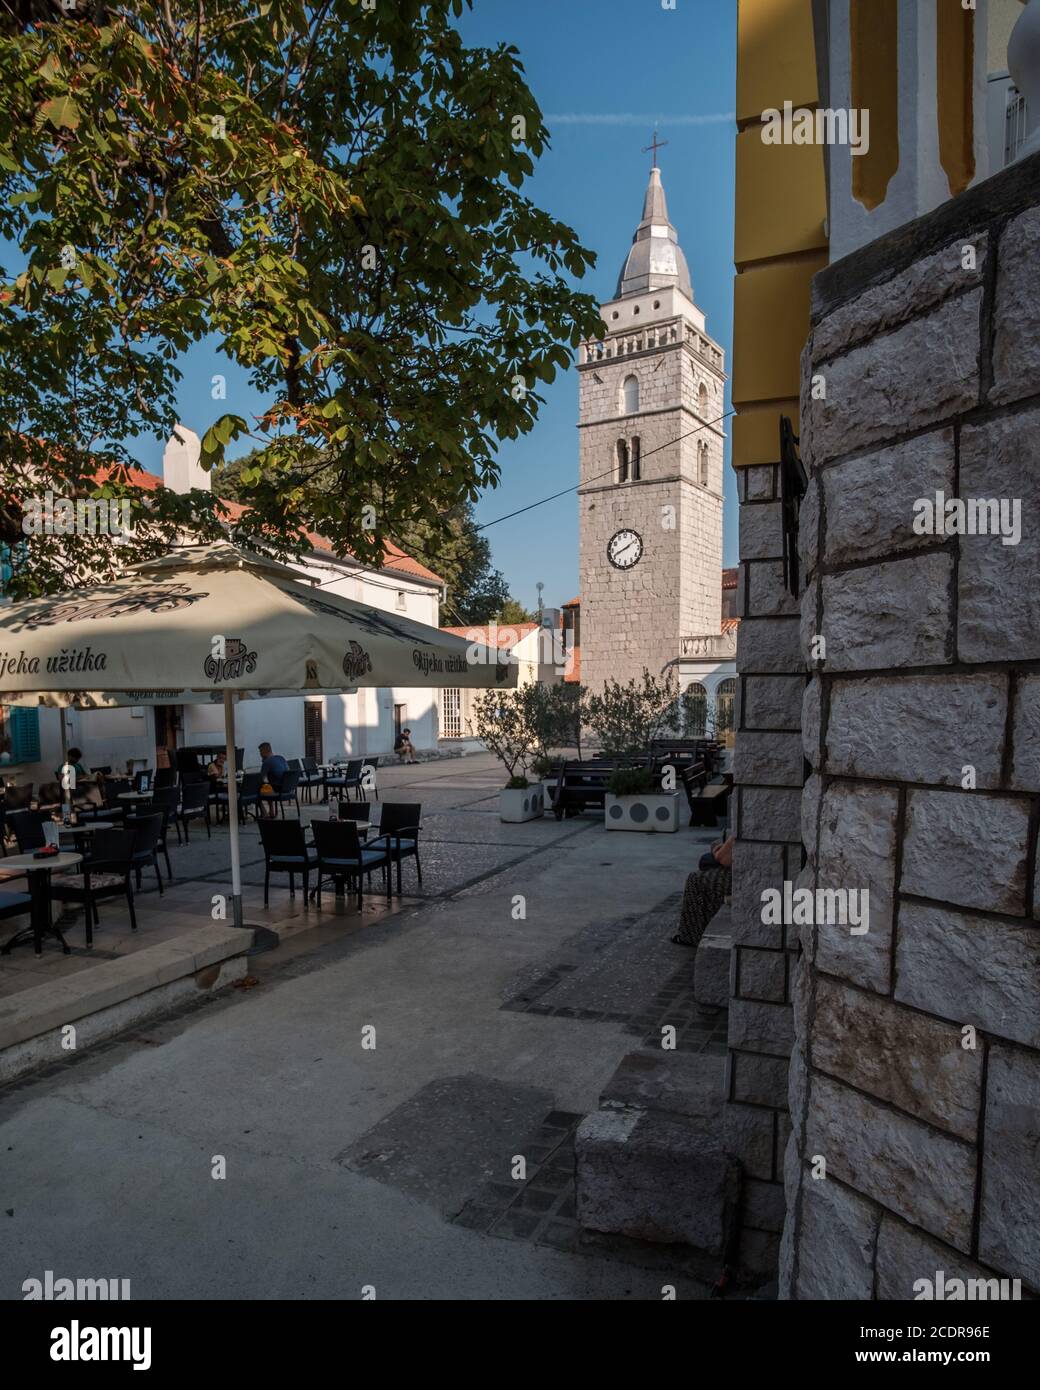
(212, 623)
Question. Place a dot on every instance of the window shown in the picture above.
(702, 401)
(631, 395)
(402, 602)
(725, 705)
(636, 470)
(702, 450)
(695, 703)
(312, 721)
(19, 735)
(451, 713)
(622, 461)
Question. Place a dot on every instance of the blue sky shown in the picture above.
(607, 70)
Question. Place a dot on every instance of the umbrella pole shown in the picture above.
(236, 858)
(66, 792)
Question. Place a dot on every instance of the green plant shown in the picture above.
(325, 197)
(503, 725)
(632, 781)
(625, 718)
(517, 784)
(542, 766)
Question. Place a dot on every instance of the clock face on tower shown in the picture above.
(625, 549)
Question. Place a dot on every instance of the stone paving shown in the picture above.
(393, 1166)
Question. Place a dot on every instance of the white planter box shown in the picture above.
(521, 803)
(656, 811)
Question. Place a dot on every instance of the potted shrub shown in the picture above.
(635, 801)
(504, 726)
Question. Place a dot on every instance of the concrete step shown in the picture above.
(711, 968)
(679, 1084)
(657, 1178)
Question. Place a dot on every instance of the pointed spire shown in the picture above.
(656, 259)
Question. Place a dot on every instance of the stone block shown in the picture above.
(925, 1177)
(674, 1083)
(759, 483)
(836, 1239)
(944, 724)
(998, 615)
(971, 970)
(763, 1205)
(858, 830)
(711, 970)
(906, 1255)
(812, 794)
(749, 1136)
(1025, 761)
(911, 1061)
(761, 531)
(768, 760)
(756, 867)
(889, 615)
(1010, 1204)
(912, 291)
(769, 646)
(1016, 342)
(760, 1080)
(809, 527)
(648, 1177)
(773, 702)
(921, 374)
(870, 500)
(761, 1027)
(768, 813)
(767, 594)
(763, 974)
(963, 848)
(811, 714)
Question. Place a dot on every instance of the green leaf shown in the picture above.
(61, 112)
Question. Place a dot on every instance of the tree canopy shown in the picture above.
(330, 194)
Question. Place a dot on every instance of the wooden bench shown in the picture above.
(706, 800)
(580, 785)
(681, 752)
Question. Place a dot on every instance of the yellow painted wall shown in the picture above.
(780, 242)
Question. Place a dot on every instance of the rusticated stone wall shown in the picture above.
(915, 1076)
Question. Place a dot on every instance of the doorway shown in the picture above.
(168, 722)
(400, 720)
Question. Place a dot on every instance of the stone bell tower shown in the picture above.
(651, 442)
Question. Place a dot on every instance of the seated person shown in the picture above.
(74, 762)
(404, 747)
(215, 770)
(272, 769)
(705, 893)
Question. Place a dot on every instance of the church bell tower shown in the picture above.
(651, 458)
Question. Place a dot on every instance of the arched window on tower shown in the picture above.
(725, 703)
(702, 401)
(622, 461)
(630, 395)
(702, 450)
(695, 710)
(636, 465)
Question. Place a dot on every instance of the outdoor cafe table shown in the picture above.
(76, 833)
(38, 872)
(133, 796)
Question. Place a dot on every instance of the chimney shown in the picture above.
(181, 468)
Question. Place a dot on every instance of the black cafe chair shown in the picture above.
(286, 852)
(342, 855)
(349, 779)
(28, 829)
(194, 806)
(288, 791)
(148, 834)
(399, 826)
(248, 797)
(105, 873)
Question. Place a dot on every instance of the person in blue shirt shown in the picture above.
(273, 769)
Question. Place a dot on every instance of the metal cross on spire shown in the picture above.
(654, 145)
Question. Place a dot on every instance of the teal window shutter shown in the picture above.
(25, 734)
